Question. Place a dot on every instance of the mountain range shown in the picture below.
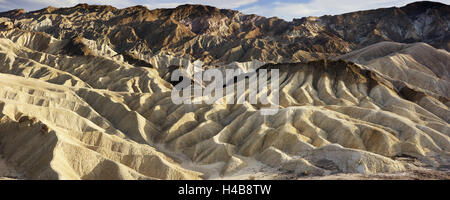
(85, 93)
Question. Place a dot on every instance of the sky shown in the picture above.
(285, 9)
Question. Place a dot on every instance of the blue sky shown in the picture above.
(286, 9)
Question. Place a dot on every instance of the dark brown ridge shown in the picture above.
(135, 61)
(335, 69)
(76, 47)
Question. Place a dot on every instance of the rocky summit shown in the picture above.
(86, 93)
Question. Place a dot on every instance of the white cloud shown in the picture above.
(321, 7)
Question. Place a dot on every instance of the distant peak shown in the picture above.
(421, 6)
(82, 5)
(196, 6)
(94, 7)
(49, 9)
(12, 13)
(195, 10)
(426, 4)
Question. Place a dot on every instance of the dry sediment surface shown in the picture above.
(74, 108)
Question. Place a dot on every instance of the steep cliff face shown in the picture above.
(416, 22)
(222, 36)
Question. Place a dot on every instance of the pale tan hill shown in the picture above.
(98, 117)
(419, 65)
(48, 132)
(85, 94)
(113, 134)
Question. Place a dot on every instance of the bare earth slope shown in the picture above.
(79, 100)
(419, 65)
